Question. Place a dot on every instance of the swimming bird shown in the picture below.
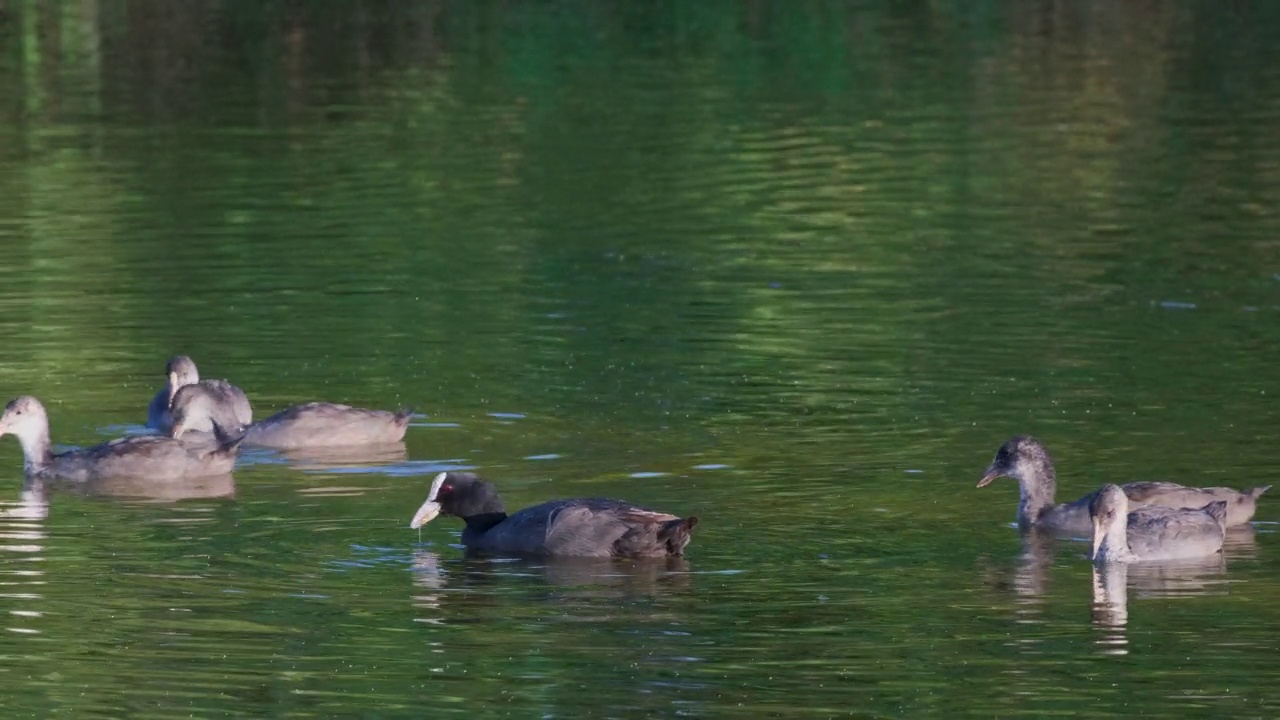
(180, 372)
(151, 457)
(1024, 459)
(312, 425)
(1153, 532)
(578, 527)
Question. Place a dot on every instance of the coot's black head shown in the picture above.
(460, 494)
(1021, 458)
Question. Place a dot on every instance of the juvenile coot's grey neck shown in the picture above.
(1037, 482)
(1037, 487)
(36, 455)
(1109, 512)
(1115, 546)
(1113, 542)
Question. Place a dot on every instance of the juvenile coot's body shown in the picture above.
(1026, 460)
(180, 372)
(1153, 532)
(312, 425)
(149, 458)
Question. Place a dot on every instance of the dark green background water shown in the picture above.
(798, 268)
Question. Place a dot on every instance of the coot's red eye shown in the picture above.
(445, 489)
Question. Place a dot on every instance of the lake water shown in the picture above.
(798, 269)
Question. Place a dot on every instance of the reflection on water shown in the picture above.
(429, 577)
(1172, 579)
(579, 578)
(1030, 579)
(587, 577)
(22, 574)
(1165, 580)
(1034, 589)
(1111, 607)
(346, 459)
(1240, 543)
(212, 486)
(32, 504)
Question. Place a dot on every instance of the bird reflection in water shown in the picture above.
(430, 578)
(22, 540)
(1030, 577)
(1110, 610)
(213, 486)
(1170, 579)
(1029, 583)
(573, 578)
(354, 458)
(1240, 543)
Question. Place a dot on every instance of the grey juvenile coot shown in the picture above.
(150, 457)
(1026, 460)
(312, 425)
(181, 372)
(580, 527)
(1153, 532)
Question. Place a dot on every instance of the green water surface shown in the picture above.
(795, 268)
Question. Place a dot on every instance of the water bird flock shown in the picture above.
(1128, 523)
(200, 425)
